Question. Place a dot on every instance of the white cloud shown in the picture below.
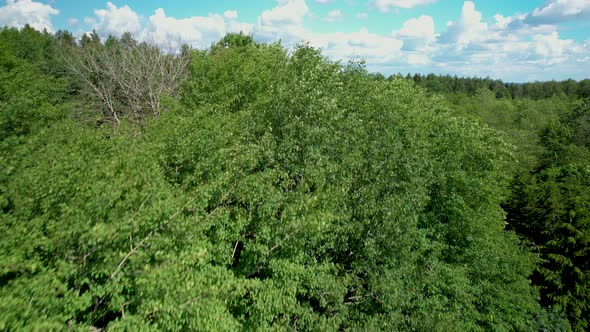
(197, 31)
(333, 16)
(284, 22)
(386, 5)
(235, 26)
(418, 59)
(551, 47)
(555, 11)
(17, 13)
(507, 47)
(116, 21)
(323, 2)
(231, 14)
(371, 47)
(417, 33)
(501, 21)
(517, 25)
(166, 31)
(467, 28)
(288, 12)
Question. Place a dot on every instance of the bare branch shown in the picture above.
(127, 78)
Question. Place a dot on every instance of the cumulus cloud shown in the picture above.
(507, 47)
(550, 47)
(556, 11)
(283, 22)
(417, 33)
(359, 45)
(164, 30)
(288, 12)
(386, 5)
(504, 47)
(502, 22)
(90, 21)
(197, 31)
(467, 28)
(115, 21)
(17, 13)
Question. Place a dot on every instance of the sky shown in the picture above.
(512, 40)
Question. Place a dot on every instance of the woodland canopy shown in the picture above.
(251, 187)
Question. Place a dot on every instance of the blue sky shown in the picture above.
(514, 40)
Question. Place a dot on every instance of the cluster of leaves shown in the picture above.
(283, 191)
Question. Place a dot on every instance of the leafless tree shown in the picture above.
(127, 78)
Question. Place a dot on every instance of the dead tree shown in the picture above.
(128, 79)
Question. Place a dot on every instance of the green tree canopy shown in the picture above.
(282, 191)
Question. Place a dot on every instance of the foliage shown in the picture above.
(551, 209)
(28, 88)
(282, 191)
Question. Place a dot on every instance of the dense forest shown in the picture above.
(470, 86)
(253, 187)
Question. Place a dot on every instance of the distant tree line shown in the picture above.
(470, 85)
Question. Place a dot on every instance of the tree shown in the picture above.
(367, 185)
(128, 79)
(550, 208)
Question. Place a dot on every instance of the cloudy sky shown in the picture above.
(514, 40)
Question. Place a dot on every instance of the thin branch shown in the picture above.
(122, 263)
(233, 255)
(150, 234)
(128, 80)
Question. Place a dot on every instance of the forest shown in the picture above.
(253, 187)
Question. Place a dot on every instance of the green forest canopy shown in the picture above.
(278, 190)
